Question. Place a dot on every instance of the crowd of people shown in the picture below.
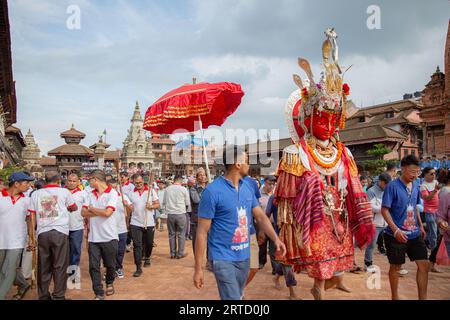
(410, 209)
(53, 216)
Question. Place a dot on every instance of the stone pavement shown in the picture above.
(168, 279)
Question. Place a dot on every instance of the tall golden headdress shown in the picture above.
(330, 94)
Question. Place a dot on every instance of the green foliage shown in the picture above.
(378, 151)
(378, 165)
(7, 171)
(375, 167)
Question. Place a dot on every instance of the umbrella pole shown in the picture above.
(205, 156)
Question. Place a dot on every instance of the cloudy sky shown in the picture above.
(128, 50)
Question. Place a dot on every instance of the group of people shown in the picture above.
(310, 216)
(233, 218)
(321, 209)
(410, 214)
(56, 214)
(434, 162)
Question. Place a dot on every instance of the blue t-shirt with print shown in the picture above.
(397, 198)
(254, 185)
(230, 212)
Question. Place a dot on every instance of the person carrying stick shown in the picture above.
(142, 225)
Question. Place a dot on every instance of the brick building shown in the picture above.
(397, 125)
(436, 111)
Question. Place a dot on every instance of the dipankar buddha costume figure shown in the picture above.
(321, 203)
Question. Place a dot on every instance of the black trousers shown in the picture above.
(140, 237)
(53, 260)
(270, 245)
(193, 234)
(433, 253)
(106, 251)
(129, 238)
(380, 242)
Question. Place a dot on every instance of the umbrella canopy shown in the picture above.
(181, 108)
(186, 143)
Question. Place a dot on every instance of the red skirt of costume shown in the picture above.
(307, 230)
(306, 226)
(328, 255)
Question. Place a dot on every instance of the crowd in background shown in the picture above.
(136, 206)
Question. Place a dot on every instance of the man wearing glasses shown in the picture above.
(405, 233)
(142, 225)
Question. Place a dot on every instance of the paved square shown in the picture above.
(168, 279)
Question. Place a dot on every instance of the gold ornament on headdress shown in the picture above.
(329, 94)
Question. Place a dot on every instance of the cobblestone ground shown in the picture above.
(168, 279)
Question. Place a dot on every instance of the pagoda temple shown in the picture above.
(71, 155)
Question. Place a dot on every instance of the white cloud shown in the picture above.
(128, 50)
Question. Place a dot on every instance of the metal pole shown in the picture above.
(205, 156)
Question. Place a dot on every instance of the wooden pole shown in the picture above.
(34, 252)
(205, 156)
(117, 165)
(150, 191)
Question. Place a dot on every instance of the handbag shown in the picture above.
(442, 258)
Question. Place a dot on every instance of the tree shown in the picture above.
(379, 164)
(378, 151)
(7, 171)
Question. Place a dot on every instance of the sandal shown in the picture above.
(356, 269)
(21, 293)
(109, 290)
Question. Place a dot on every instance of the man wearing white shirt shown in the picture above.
(127, 189)
(142, 224)
(103, 237)
(162, 214)
(375, 195)
(127, 186)
(52, 206)
(13, 228)
(123, 210)
(76, 226)
(176, 203)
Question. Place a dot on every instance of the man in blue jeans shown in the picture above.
(76, 226)
(225, 211)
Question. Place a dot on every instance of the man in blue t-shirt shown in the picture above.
(225, 211)
(445, 162)
(405, 232)
(435, 163)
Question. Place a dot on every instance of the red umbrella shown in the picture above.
(180, 108)
(193, 107)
